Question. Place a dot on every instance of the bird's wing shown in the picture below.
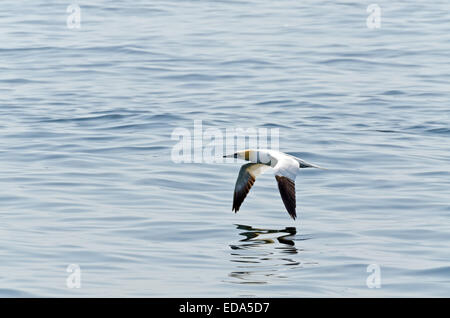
(285, 173)
(246, 179)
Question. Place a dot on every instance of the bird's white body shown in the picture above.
(285, 168)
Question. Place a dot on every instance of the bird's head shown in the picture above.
(244, 154)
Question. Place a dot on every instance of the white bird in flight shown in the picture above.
(285, 168)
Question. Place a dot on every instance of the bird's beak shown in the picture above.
(231, 156)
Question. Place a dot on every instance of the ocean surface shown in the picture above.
(87, 175)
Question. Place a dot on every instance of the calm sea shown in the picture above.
(86, 175)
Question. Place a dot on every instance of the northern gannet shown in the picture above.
(285, 168)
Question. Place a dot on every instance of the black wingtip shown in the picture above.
(235, 207)
(287, 191)
(292, 214)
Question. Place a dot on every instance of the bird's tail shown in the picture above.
(304, 164)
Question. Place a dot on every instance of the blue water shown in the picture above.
(86, 176)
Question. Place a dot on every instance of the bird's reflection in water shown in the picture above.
(264, 254)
